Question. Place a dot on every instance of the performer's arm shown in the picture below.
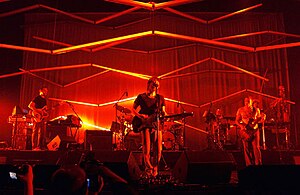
(238, 120)
(135, 112)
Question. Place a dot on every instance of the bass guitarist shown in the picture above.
(38, 107)
(247, 118)
(147, 107)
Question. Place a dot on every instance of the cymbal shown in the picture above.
(123, 109)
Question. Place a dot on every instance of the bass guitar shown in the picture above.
(139, 123)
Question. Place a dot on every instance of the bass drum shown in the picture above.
(133, 141)
(168, 140)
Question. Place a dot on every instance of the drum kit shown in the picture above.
(124, 138)
(220, 130)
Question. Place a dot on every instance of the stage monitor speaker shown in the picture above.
(204, 167)
(273, 177)
(123, 163)
(61, 143)
(98, 140)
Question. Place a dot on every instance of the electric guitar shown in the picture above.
(40, 114)
(250, 130)
(139, 123)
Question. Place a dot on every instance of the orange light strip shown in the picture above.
(240, 35)
(114, 102)
(117, 15)
(184, 103)
(172, 3)
(95, 126)
(206, 41)
(24, 9)
(131, 23)
(185, 67)
(269, 96)
(86, 78)
(28, 72)
(195, 128)
(133, 3)
(172, 48)
(113, 44)
(234, 13)
(25, 48)
(130, 50)
(284, 34)
(68, 14)
(240, 69)
(57, 42)
(59, 68)
(222, 98)
(68, 49)
(74, 102)
(202, 72)
(12, 74)
(185, 15)
(142, 76)
(281, 46)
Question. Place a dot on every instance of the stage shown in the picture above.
(180, 172)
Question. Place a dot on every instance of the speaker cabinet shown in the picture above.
(61, 143)
(98, 140)
(123, 163)
(283, 177)
(211, 167)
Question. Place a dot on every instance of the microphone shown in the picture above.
(126, 93)
(155, 84)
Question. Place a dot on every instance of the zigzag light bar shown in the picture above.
(25, 48)
(47, 80)
(76, 47)
(142, 76)
(205, 41)
(184, 103)
(234, 13)
(185, 67)
(240, 69)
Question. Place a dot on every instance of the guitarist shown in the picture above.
(247, 118)
(146, 107)
(38, 107)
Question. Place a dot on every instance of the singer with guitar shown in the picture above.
(147, 108)
(38, 109)
(247, 118)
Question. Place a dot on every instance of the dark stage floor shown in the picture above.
(181, 172)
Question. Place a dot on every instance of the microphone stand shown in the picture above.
(184, 122)
(116, 120)
(158, 113)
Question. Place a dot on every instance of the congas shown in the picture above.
(168, 140)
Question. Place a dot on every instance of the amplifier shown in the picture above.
(98, 140)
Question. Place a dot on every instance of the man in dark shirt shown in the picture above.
(38, 108)
(151, 106)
